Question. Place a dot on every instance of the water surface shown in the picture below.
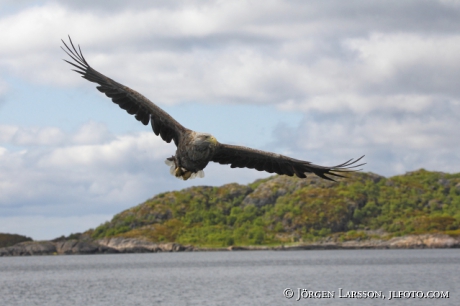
(229, 278)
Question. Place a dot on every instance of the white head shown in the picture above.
(204, 139)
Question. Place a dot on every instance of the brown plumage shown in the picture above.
(195, 150)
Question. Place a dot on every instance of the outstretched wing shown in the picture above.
(243, 157)
(130, 100)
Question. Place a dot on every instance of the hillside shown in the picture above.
(7, 240)
(283, 209)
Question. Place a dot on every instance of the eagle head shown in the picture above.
(205, 140)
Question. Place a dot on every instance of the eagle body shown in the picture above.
(195, 150)
(193, 154)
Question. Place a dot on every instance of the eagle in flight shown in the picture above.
(195, 150)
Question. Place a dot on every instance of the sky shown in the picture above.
(323, 81)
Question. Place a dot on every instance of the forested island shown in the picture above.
(365, 210)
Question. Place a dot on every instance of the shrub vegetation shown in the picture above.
(283, 209)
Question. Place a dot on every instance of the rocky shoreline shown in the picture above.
(76, 247)
(132, 245)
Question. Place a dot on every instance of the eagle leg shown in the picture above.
(181, 172)
(175, 169)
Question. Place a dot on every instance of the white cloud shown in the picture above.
(378, 78)
(394, 139)
(88, 133)
(234, 52)
(120, 150)
(360, 105)
(37, 136)
(77, 181)
(74, 172)
(428, 62)
(7, 132)
(92, 133)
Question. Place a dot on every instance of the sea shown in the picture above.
(307, 277)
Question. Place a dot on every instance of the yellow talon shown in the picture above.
(178, 172)
(186, 175)
(182, 172)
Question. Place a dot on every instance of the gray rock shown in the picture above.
(53, 248)
(29, 248)
(171, 247)
(233, 190)
(424, 241)
(457, 187)
(82, 247)
(129, 245)
(389, 183)
(133, 245)
(405, 242)
(375, 177)
(65, 247)
(268, 192)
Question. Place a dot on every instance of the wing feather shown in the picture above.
(119, 100)
(243, 157)
(130, 100)
(124, 105)
(156, 126)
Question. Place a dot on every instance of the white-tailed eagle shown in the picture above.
(195, 150)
